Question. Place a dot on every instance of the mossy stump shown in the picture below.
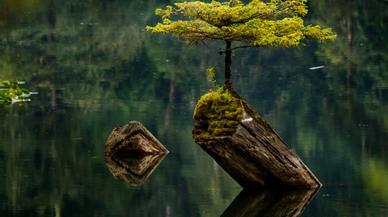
(245, 145)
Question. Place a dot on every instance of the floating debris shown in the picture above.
(132, 153)
(11, 92)
(316, 67)
(133, 139)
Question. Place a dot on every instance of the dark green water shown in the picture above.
(95, 68)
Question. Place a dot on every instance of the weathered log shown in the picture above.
(132, 153)
(134, 170)
(245, 145)
(132, 139)
(270, 203)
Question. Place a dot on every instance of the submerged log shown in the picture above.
(134, 170)
(270, 203)
(132, 153)
(132, 139)
(245, 145)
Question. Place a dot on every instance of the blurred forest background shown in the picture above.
(96, 67)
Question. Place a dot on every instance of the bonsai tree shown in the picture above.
(226, 127)
(273, 23)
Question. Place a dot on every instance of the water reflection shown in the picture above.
(270, 203)
(135, 169)
(95, 66)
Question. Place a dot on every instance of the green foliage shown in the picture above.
(211, 75)
(218, 113)
(257, 23)
(11, 92)
(375, 177)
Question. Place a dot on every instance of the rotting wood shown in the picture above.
(132, 153)
(132, 139)
(245, 145)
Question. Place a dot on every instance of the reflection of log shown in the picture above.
(245, 145)
(132, 153)
(133, 169)
(131, 139)
(270, 203)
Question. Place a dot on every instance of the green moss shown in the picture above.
(217, 114)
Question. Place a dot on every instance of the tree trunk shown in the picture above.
(349, 34)
(132, 139)
(228, 64)
(132, 153)
(249, 149)
(52, 21)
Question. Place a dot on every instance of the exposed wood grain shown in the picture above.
(132, 153)
(254, 154)
(133, 139)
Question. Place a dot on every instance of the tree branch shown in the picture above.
(222, 51)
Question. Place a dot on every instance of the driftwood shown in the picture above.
(245, 146)
(270, 203)
(132, 139)
(134, 170)
(132, 153)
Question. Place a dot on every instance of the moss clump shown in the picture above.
(217, 113)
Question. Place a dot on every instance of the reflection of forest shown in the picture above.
(93, 59)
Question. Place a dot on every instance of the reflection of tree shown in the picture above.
(69, 173)
(315, 112)
(91, 55)
(85, 47)
(360, 50)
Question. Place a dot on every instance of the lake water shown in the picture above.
(95, 67)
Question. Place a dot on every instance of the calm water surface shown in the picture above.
(95, 67)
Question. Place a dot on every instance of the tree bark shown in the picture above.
(132, 139)
(253, 154)
(228, 64)
(132, 153)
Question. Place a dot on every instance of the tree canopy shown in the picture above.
(257, 23)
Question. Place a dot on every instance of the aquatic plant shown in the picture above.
(11, 92)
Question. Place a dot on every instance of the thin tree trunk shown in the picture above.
(349, 34)
(169, 114)
(228, 64)
(52, 20)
